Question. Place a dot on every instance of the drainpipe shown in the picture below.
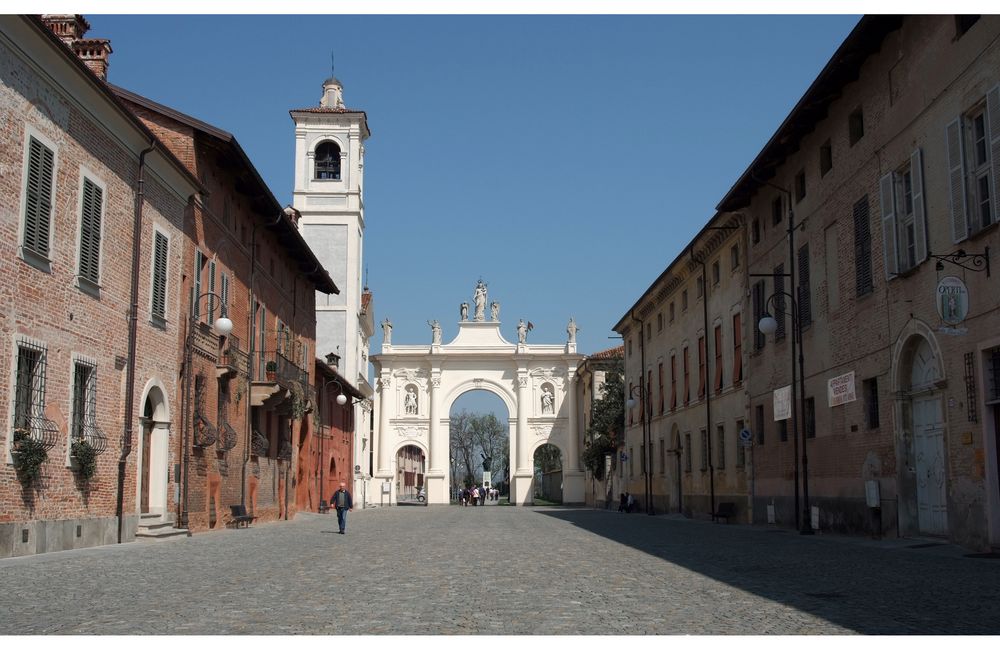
(647, 412)
(708, 375)
(132, 327)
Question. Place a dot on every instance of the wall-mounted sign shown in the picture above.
(783, 403)
(952, 300)
(840, 390)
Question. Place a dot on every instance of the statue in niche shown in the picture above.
(435, 332)
(480, 300)
(548, 401)
(571, 329)
(464, 311)
(410, 401)
(522, 332)
(494, 311)
(387, 332)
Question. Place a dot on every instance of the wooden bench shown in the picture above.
(240, 516)
(324, 507)
(726, 510)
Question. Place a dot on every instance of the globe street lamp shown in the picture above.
(637, 395)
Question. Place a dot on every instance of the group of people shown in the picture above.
(477, 496)
(626, 502)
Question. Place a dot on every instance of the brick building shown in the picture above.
(79, 176)
(891, 161)
(247, 396)
(684, 361)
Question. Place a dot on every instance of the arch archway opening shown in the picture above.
(478, 443)
(548, 475)
(411, 468)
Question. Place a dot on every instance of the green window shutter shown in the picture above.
(890, 244)
(956, 177)
(919, 215)
(90, 231)
(38, 200)
(160, 246)
(993, 131)
(211, 288)
(195, 308)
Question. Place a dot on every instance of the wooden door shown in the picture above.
(929, 452)
(147, 439)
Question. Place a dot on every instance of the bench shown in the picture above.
(240, 516)
(726, 510)
(324, 507)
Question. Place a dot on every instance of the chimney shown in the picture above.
(70, 28)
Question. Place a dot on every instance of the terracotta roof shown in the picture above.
(366, 300)
(611, 353)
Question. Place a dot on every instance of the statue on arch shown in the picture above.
(387, 332)
(410, 401)
(435, 332)
(522, 332)
(480, 300)
(494, 311)
(463, 310)
(571, 329)
(548, 401)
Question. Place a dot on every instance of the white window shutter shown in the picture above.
(890, 244)
(993, 126)
(919, 214)
(956, 175)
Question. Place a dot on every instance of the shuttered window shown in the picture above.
(38, 198)
(673, 382)
(720, 445)
(737, 350)
(904, 225)
(199, 259)
(758, 313)
(718, 358)
(687, 379)
(862, 248)
(973, 142)
(90, 231)
(212, 300)
(779, 301)
(659, 369)
(702, 369)
(224, 291)
(805, 291)
(159, 290)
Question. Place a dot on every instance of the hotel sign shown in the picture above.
(952, 300)
(840, 390)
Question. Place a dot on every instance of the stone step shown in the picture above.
(157, 534)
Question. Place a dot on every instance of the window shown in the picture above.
(38, 198)
(758, 422)
(90, 232)
(663, 457)
(82, 426)
(631, 410)
(716, 276)
(904, 228)
(700, 286)
(776, 211)
(783, 430)
(862, 249)
(755, 231)
(800, 186)
(199, 263)
(687, 452)
(810, 417)
(702, 369)
(687, 382)
(993, 376)
(869, 388)
(704, 450)
(825, 158)
(737, 350)
(224, 292)
(964, 23)
(159, 286)
(720, 436)
(758, 313)
(671, 312)
(741, 455)
(855, 126)
(659, 322)
(684, 300)
(328, 162)
(649, 331)
(973, 172)
(718, 359)
(647, 405)
(29, 389)
(673, 382)
(212, 300)
(805, 294)
(779, 301)
(631, 461)
(660, 376)
(734, 257)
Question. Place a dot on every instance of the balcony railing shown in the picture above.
(282, 369)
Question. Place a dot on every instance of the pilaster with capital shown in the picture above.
(384, 445)
(523, 407)
(572, 442)
(438, 443)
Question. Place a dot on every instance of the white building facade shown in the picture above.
(328, 194)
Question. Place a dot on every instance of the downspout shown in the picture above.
(646, 414)
(133, 320)
(708, 388)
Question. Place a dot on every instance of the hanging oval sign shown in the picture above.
(952, 300)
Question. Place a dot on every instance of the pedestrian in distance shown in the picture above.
(622, 501)
(341, 500)
(630, 504)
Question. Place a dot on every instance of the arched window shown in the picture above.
(328, 162)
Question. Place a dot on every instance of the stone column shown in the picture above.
(384, 442)
(521, 481)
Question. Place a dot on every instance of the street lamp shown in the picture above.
(640, 398)
(222, 326)
(769, 325)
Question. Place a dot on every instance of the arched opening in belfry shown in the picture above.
(548, 475)
(478, 443)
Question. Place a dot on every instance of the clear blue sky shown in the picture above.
(566, 160)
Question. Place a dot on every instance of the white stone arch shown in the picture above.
(153, 449)
(480, 358)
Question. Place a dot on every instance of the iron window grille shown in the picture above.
(993, 376)
(29, 395)
(84, 422)
(970, 387)
(871, 403)
(259, 444)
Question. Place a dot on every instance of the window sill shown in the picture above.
(158, 322)
(36, 259)
(975, 234)
(92, 289)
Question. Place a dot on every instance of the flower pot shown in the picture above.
(271, 375)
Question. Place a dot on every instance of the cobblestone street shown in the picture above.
(501, 570)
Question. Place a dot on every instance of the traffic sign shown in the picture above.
(745, 435)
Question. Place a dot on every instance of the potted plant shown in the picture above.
(83, 458)
(28, 455)
(271, 370)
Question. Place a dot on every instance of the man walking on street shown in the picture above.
(341, 500)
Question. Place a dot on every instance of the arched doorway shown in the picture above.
(548, 474)
(411, 467)
(478, 442)
(151, 497)
(923, 449)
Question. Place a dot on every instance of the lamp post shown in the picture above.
(769, 325)
(223, 327)
(644, 404)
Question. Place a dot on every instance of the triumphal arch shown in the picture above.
(417, 385)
